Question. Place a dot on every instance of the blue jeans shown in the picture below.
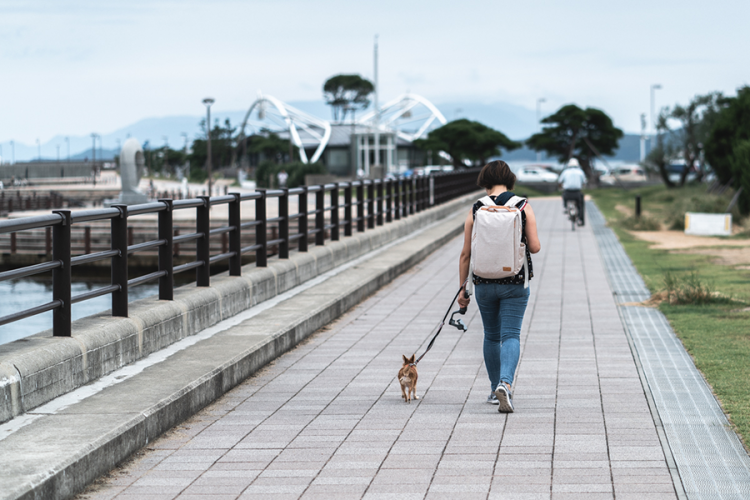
(502, 308)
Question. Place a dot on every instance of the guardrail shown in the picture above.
(366, 204)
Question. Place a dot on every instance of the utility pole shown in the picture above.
(654, 88)
(539, 123)
(208, 101)
(93, 150)
(377, 108)
(643, 136)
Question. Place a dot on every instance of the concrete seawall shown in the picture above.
(39, 368)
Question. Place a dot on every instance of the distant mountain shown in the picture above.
(517, 122)
(629, 151)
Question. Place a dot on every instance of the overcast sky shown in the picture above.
(73, 67)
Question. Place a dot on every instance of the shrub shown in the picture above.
(689, 289)
(644, 223)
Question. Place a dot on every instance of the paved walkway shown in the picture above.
(327, 420)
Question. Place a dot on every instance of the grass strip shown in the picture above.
(716, 333)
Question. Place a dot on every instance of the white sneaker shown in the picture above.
(504, 400)
(492, 399)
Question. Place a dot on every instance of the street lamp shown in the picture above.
(208, 101)
(539, 123)
(654, 88)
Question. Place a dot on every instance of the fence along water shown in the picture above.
(385, 201)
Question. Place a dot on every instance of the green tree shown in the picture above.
(222, 150)
(344, 91)
(268, 170)
(270, 145)
(467, 140)
(697, 120)
(728, 146)
(572, 132)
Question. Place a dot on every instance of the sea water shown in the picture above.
(18, 295)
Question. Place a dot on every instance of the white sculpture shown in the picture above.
(131, 169)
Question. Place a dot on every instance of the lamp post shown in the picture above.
(208, 101)
(654, 88)
(643, 136)
(539, 123)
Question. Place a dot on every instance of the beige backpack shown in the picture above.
(496, 247)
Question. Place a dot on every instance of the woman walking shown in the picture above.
(502, 302)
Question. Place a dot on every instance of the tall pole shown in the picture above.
(208, 101)
(377, 106)
(539, 123)
(93, 149)
(654, 88)
(643, 136)
(67, 140)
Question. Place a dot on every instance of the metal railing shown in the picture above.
(366, 204)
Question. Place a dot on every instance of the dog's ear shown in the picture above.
(406, 360)
(411, 360)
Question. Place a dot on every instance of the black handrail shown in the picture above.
(376, 202)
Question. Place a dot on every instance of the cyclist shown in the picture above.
(572, 180)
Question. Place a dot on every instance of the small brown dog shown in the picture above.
(407, 377)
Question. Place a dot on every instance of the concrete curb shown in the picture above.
(39, 368)
(57, 455)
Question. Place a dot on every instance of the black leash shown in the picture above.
(457, 323)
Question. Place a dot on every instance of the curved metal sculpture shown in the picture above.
(400, 113)
(304, 130)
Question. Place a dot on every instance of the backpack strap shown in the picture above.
(516, 201)
(486, 201)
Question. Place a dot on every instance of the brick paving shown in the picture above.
(327, 419)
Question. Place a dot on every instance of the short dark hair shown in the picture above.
(496, 173)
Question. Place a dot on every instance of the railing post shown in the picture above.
(397, 199)
(432, 190)
(235, 236)
(389, 200)
(370, 204)
(284, 224)
(320, 216)
(87, 240)
(61, 276)
(302, 225)
(261, 255)
(13, 245)
(348, 209)
(119, 238)
(413, 196)
(202, 245)
(335, 212)
(360, 207)
(380, 202)
(166, 282)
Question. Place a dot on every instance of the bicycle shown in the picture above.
(572, 209)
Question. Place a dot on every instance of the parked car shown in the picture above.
(534, 173)
(676, 168)
(624, 173)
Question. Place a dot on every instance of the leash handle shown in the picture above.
(442, 323)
